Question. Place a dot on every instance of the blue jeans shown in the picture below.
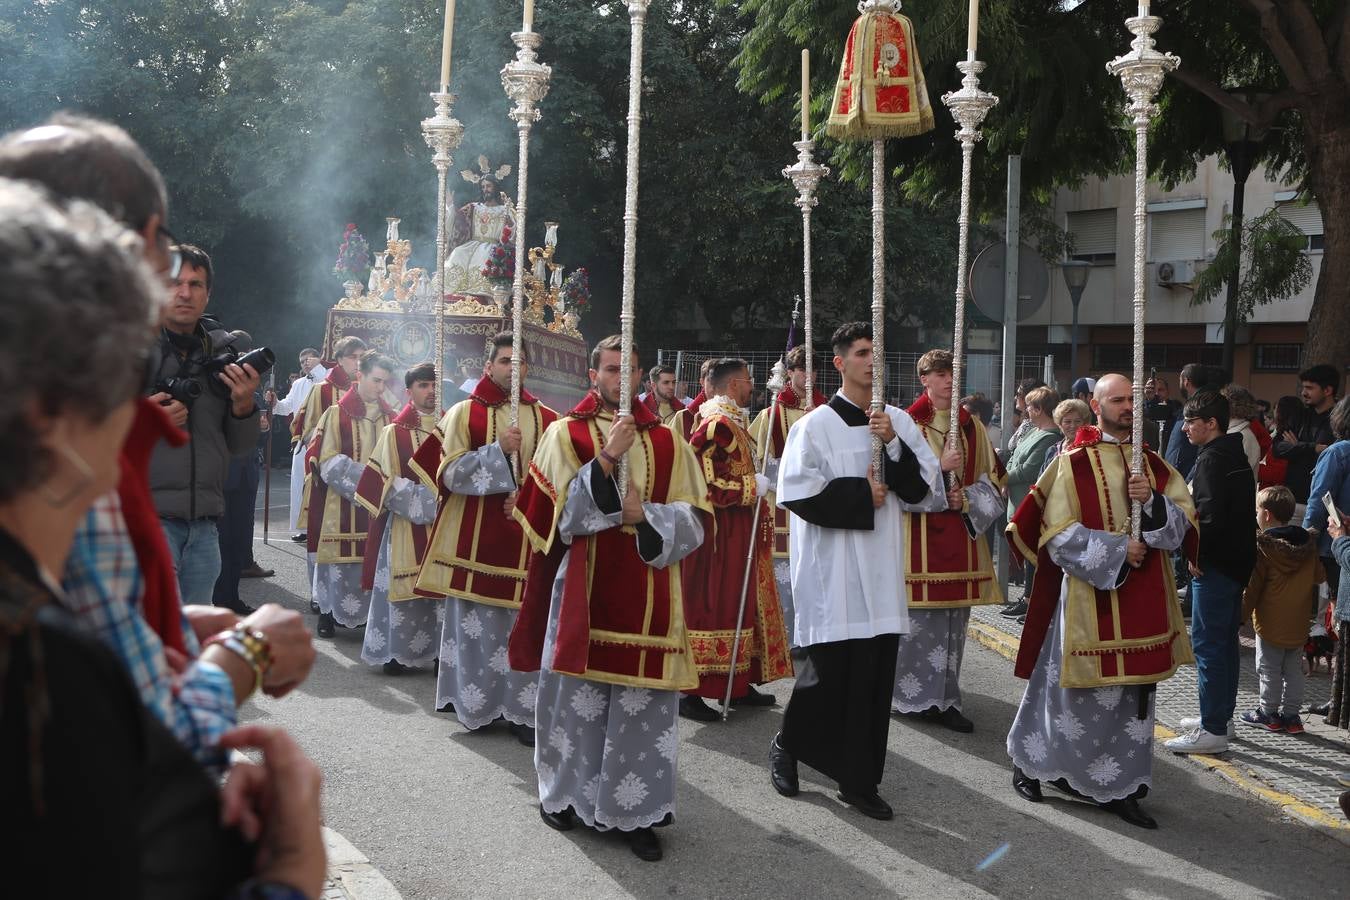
(195, 548)
(1216, 613)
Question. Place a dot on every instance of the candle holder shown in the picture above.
(968, 106)
(525, 81)
(443, 133)
(805, 175)
(637, 19)
(1141, 72)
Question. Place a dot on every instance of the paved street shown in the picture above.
(445, 813)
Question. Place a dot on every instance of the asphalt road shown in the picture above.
(448, 813)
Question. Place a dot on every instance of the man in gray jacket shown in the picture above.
(222, 421)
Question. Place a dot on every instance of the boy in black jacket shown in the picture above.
(1225, 504)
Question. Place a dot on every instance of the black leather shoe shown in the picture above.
(1062, 784)
(394, 667)
(314, 607)
(754, 698)
(256, 571)
(449, 707)
(299, 538)
(1017, 609)
(1128, 809)
(327, 627)
(930, 714)
(558, 821)
(951, 718)
(782, 769)
(645, 846)
(697, 709)
(1320, 709)
(1027, 788)
(870, 805)
(523, 733)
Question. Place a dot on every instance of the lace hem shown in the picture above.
(664, 815)
(346, 619)
(913, 707)
(473, 722)
(1095, 792)
(404, 658)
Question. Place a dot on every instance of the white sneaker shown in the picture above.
(1198, 740)
(1190, 723)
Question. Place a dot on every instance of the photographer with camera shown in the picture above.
(202, 376)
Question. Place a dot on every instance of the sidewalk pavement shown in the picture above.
(350, 874)
(1294, 772)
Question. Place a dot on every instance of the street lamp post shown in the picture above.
(1076, 273)
(1242, 143)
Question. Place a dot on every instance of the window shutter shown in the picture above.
(1177, 235)
(1306, 218)
(1093, 230)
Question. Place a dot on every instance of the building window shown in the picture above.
(1278, 357)
(1176, 234)
(1094, 235)
(1164, 357)
(1307, 218)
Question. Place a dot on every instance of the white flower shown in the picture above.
(631, 791)
(591, 790)
(634, 700)
(471, 698)
(1067, 724)
(589, 702)
(558, 740)
(472, 625)
(937, 658)
(910, 686)
(482, 480)
(528, 694)
(449, 650)
(420, 641)
(395, 616)
(1034, 747)
(498, 662)
(594, 522)
(782, 572)
(375, 639)
(1104, 769)
(1052, 672)
(1109, 697)
(1139, 730)
(1094, 555)
(668, 743)
(351, 604)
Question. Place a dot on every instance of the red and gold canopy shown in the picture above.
(880, 92)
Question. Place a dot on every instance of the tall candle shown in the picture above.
(446, 39)
(973, 29)
(529, 15)
(806, 93)
(1143, 7)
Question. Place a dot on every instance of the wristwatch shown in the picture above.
(252, 647)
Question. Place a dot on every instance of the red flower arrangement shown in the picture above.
(500, 265)
(353, 259)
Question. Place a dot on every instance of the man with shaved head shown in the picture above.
(1104, 625)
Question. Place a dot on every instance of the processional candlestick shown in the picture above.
(1141, 72)
(525, 80)
(805, 175)
(442, 132)
(637, 16)
(968, 106)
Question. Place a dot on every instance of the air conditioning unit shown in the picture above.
(1180, 271)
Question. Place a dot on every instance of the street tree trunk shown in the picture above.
(1329, 152)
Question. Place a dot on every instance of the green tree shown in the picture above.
(1268, 260)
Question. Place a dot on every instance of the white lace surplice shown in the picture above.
(606, 750)
(474, 674)
(1091, 737)
(405, 630)
(337, 586)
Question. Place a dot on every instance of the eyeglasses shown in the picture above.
(175, 255)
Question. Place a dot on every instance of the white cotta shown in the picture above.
(847, 583)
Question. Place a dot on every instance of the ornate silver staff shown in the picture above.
(805, 175)
(526, 83)
(1141, 72)
(637, 15)
(442, 132)
(969, 106)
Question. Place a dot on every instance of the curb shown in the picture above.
(350, 874)
(1006, 646)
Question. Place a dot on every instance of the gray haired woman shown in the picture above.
(83, 764)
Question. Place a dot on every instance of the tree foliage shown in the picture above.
(1268, 260)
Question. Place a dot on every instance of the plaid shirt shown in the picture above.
(103, 589)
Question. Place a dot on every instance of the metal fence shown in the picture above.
(982, 373)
